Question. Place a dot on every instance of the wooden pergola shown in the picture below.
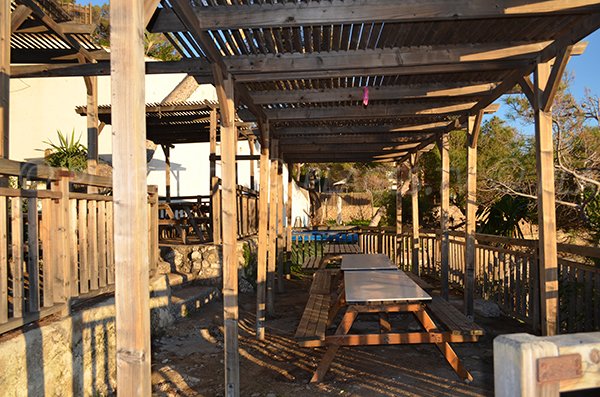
(303, 69)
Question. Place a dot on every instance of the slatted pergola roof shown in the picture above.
(428, 65)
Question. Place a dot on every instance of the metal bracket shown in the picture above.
(554, 369)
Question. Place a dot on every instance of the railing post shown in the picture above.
(215, 206)
(60, 248)
(153, 227)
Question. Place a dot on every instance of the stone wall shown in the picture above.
(204, 262)
(75, 356)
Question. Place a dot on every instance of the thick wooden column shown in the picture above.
(91, 85)
(548, 260)
(399, 215)
(167, 150)
(263, 237)
(444, 214)
(215, 197)
(288, 211)
(280, 228)
(130, 198)
(5, 21)
(414, 184)
(229, 216)
(474, 123)
(272, 251)
(251, 162)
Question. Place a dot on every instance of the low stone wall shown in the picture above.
(204, 262)
(75, 356)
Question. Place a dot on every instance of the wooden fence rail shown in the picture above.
(56, 242)
(506, 272)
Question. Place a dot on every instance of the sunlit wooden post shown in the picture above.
(474, 125)
(280, 229)
(215, 197)
(5, 23)
(399, 255)
(414, 184)
(225, 94)
(263, 238)
(444, 214)
(251, 141)
(167, 150)
(130, 198)
(272, 251)
(91, 85)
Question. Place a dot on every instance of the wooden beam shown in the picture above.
(149, 9)
(91, 84)
(374, 111)
(130, 199)
(558, 69)
(280, 229)
(414, 192)
(272, 251)
(526, 87)
(445, 214)
(382, 148)
(225, 94)
(355, 139)
(375, 59)
(199, 67)
(263, 228)
(355, 11)
(473, 128)
(392, 130)
(5, 71)
(548, 261)
(454, 89)
(19, 15)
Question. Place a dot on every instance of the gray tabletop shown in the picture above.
(382, 286)
(367, 262)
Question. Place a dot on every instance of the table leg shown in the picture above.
(338, 303)
(384, 323)
(444, 347)
(327, 359)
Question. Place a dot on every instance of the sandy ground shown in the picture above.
(188, 359)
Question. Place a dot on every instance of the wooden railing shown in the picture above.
(506, 272)
(191, 219)
(56, 242)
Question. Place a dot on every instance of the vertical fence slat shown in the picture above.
(102, 244)
(48, 264)
(73, 247)
(110, 250)
(33, 268)
(84, 272)
(92, 220)
(3, 262)
(17, 255)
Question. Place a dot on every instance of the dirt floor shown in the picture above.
(188, 359)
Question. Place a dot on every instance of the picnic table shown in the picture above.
(367, 262)
(381, 291)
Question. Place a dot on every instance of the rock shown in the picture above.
(163, 267)
(487, 308)
(196, 256)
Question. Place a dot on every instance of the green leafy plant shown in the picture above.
(68, 153)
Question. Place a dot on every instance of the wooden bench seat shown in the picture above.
(313, 323)
(322, 281)
(420, 282)
(456, 322)
(312, 263)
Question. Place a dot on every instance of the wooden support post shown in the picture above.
(91, 85)
(130, 198)
(5, 21)
(263, 237)
(444, 214)
(272, 256)
(251, 165)
(414, 184)
(167, 150)
(399, 215)
(280, 229)
(474, 125)
(60, 231)
(215, 198)
(548, 261)
(288, 211)
(225, 94)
